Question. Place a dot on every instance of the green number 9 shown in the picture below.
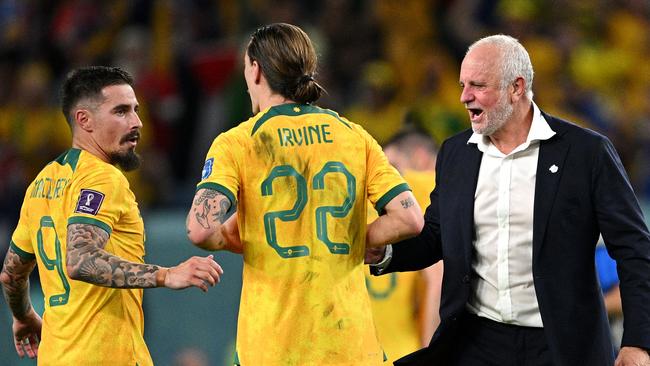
(51, 264)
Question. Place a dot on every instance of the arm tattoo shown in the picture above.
(407, 202)
(210, 204)
(15, 282)
(89, 262)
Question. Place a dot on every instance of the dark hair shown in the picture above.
(87, 83)
(288, 60)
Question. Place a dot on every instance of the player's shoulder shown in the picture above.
(91, 169)
(240, 132)
(573, 132)
(64, 164)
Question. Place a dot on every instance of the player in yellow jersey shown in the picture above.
(81, 225)
(300, 178)
(405, 304)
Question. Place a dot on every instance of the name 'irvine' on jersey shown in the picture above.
(302, 177)
(79, 188)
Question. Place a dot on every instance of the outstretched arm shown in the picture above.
(88, 261)
(209, 224)
(15, 287)
(402, 220)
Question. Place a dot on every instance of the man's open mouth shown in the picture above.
(474, 112)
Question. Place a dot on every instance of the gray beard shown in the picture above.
(497, 118)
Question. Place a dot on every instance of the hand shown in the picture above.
(27, 333)
(632, 356)
(374, 255)
(196, 271)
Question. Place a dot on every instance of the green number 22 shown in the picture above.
(51, 264)
(293, 214)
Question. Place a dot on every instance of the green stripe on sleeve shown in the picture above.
(383, 201)
(90, 221)
(21, 253)
(221, 189)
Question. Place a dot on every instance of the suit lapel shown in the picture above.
(550, 167)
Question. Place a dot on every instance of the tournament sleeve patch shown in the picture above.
(89, 202)
(207, 168)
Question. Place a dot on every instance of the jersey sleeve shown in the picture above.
(384, 181)
(21, 241)
(98, 198)
(221, 169)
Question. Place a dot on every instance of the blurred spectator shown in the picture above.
(405, 305)
(384, 63)
(377, 108)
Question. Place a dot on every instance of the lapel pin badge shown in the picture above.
(553, 168)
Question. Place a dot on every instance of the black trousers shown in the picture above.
(483, 342)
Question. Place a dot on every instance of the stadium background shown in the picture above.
(385, 63)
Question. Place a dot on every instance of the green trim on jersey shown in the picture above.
(69, 157)
(290, 110)
(223, 190)
(383, 201)
(21, 253)
(90, 221)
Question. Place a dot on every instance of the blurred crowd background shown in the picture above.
(385, 64)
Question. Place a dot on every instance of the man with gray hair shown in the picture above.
(518, 206)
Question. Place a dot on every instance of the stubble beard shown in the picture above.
(497, 117)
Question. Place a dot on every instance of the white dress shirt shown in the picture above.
(502, 285)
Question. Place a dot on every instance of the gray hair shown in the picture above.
(514, 62)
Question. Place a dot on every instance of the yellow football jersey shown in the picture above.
(83, 324)
(393, 297)
(303, 176)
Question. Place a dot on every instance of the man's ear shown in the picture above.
(519, 89)
(83, 119)
(257, 71)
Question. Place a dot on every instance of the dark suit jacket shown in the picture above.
(588, 194)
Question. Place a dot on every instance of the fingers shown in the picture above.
(200, 272)
(19, 347)
(373, 255)
(197, 282)
(214, 264)
(208, 271)
(31, 347)
(27, 346)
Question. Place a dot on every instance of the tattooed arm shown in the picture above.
(15, 282)
(15, 287)
(88, 261)
(403, 219)
(209, 224)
